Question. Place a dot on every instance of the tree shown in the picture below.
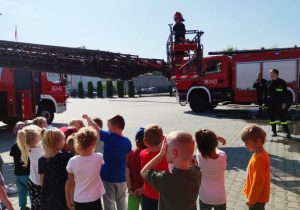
(109, 88)
(130, 89)
(99, 89)
(80, 90)
(230, 48)
(120, 88)
(90, 90)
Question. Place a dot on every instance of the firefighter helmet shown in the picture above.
(178, 15)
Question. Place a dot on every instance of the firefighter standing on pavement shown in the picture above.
(275, 96)
(259, 84)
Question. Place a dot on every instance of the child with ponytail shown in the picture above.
(29, 142)
(52, 170)
(84, 171)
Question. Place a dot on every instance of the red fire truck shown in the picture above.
(27, 94)
(27, 91)
(228, 77)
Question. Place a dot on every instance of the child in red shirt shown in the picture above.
(134, 180)
(152, 139)
(257, 183)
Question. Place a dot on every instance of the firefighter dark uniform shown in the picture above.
(259, 85)
(275, 94)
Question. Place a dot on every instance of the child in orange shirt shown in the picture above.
(257, 183)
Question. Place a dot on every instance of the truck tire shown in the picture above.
(213, 106)
(10, 120)
(199, 103)
(46, 112)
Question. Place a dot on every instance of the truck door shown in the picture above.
(37, 84)
(287, 71)
(23, 81)
(245, 75)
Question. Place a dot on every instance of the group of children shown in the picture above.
(161, 173)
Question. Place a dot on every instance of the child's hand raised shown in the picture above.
(163, 149)
(221, 139)
(85, 116)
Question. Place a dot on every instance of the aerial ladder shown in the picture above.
(75, 61)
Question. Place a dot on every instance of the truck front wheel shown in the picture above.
(46, 112)
(199, 103)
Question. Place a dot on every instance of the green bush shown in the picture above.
(120, 88)
(109, 88)
(130, 89)
(90, 89)
(80, 90)
(99, 89)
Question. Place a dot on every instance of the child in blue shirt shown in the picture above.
(116, 149)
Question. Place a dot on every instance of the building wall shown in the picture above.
(144, 81)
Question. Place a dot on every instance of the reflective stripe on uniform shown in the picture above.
(272, 122)
(266, 107)
(279, 89)
(283, 123)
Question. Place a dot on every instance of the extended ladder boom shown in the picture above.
(75, 61)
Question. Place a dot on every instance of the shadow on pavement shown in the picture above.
(283, 170)
(241, 112)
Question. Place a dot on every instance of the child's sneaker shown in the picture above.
(10, 191)
(2, 206)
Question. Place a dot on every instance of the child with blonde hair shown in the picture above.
(21, 171)
(177, 189)
(71, 144)
(83, 171)
(29, 142)
(77, 123)
(40, 121)
(212, 162)
(52, 170)
(71, 147)
(257, 182)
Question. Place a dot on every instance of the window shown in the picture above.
(213, 66)
(53, 77)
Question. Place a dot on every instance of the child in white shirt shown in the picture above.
(212, 162)
(84, 171)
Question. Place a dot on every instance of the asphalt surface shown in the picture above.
(227, 121)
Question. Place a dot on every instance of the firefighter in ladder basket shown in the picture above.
(179, 35)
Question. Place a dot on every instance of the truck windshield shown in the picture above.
(213, 66)
(54, 77)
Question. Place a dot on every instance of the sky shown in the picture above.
(140, 27)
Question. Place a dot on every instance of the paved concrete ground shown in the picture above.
(227, 121)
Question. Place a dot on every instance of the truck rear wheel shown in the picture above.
(46, 112)
(199, 103)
